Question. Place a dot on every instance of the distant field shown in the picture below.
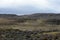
(39, 24)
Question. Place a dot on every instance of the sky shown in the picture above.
(29, 6)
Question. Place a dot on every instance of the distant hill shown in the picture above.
(42, 15)
(32, 16)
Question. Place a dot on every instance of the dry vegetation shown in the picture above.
(39, 24)
(29, 28)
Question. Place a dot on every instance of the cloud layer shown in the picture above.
(30, 6)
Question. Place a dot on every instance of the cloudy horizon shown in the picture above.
(29, 6)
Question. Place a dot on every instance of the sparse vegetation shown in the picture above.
(30, 27)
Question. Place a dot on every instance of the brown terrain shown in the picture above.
(38, 26)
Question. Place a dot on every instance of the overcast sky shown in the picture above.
(29, 6)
